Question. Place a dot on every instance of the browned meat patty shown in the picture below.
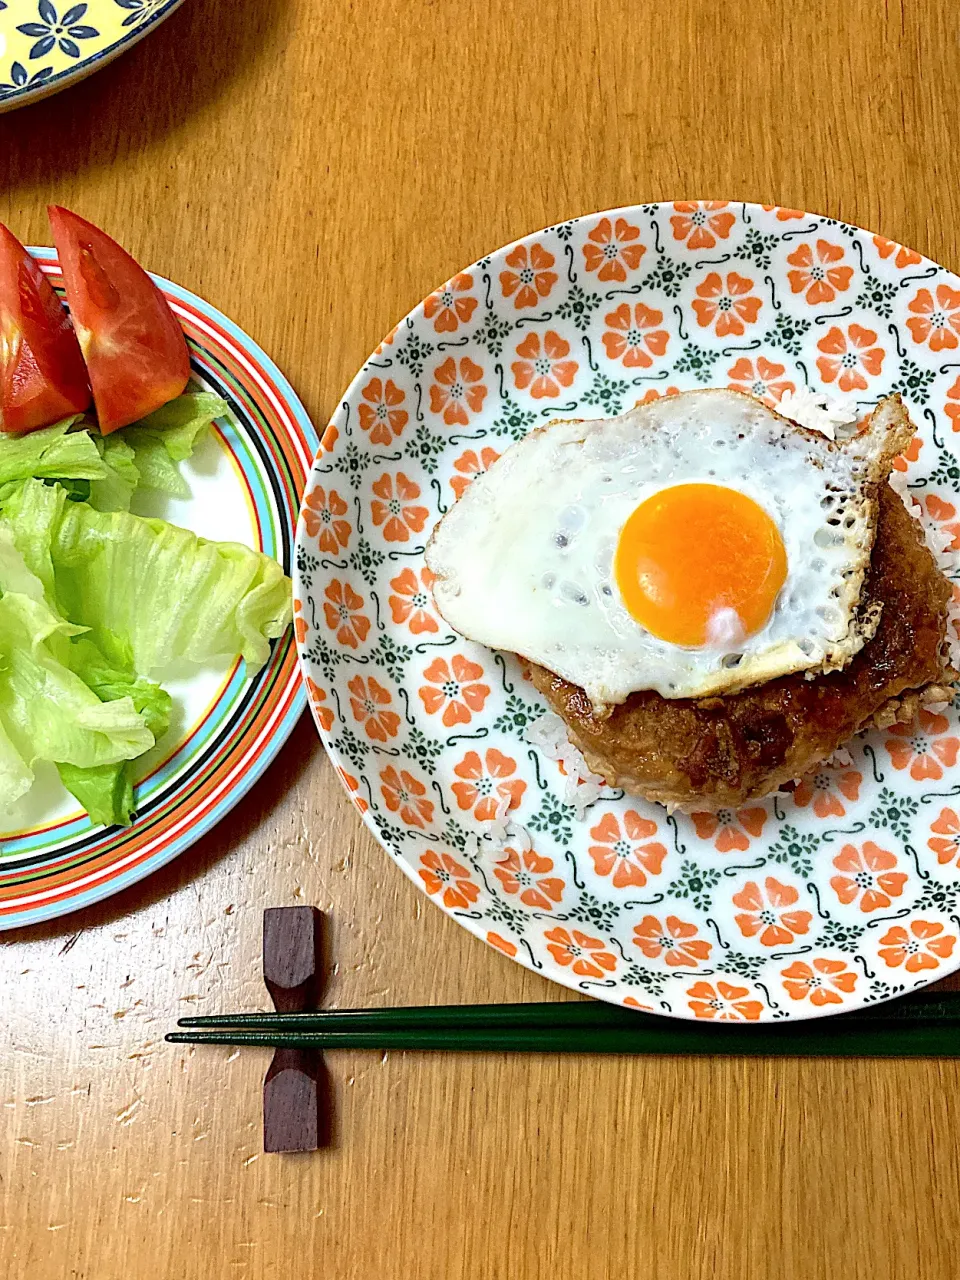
(717, 752)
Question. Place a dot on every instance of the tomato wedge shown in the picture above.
(42, 377)
(134, 347)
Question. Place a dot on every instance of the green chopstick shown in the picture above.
(926, 1006)
(924, 1025)
(866, 1040)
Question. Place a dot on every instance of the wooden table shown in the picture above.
(314, 169)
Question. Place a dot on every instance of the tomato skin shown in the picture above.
(42, 374)
(132, 343)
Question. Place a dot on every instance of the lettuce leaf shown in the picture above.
(168, 437)
(121, 476)
(158, 591)
(51, 454)
(47, 712)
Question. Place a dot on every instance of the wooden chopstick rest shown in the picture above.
(296, 1089)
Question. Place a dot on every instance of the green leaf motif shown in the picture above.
(947, 470)
(355, 463)
(894, 813)
(516, 717)
(735, 962)
(638, 976)
(607, 393)
(667, 276)
(413, 353)
(795, 850)
(426, 448)
(877, 295)
(938, 896)
(594, 912)
(914, 381)
(349, 745)
(500, 912)
(757, 248)
(392, 655)
(424, 749)
(578, 307)
(366, 560)
(554, 819)
(326, 658)
(842, 937)
(697, 361)
(695, 884)
(788, 333)
(493, 331)
(513, 421)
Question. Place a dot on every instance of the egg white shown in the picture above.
(524, 560)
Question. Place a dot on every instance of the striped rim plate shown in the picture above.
(254, 470)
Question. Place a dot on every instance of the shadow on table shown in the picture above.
(146, 93)
(298, 753)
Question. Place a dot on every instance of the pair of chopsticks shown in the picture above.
(924, 1025)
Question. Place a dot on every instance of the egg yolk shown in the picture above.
(700, 564)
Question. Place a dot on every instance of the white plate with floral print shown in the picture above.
(843, 893)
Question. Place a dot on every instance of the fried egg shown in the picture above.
(696, 545)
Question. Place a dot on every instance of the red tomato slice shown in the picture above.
(134, 347)
(42, 377)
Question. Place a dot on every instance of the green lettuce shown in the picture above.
(159, 592)
(168, 437)
(55, 453)
(47, 711)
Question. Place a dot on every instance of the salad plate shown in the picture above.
(46, 45)
(843, 892)
(246, 480)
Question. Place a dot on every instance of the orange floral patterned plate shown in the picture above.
(846, 891)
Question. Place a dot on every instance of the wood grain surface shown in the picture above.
(313, 169)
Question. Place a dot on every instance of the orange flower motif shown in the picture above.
(393, 507)
(530, 278)
(675, 940)
(353, 786)
(910, 454)
(945, 515)
(300, 625)
(634, 339)
(442, 873)
(762, 379)
(768, 913)
(904, 258)
(823, 786)
(322, 518)
(654, 394)
(849, 356)
(455, 688)
(936, 322)
(329, 438)
(447, 308)
(458, 390)
(341, 608)
(411, 604)
(946, 843)
(370, 703)
(379, 413)
(527, 874)
(723, 1002)
(404, 794)
(700, 223)
(502, 944)
(728, 829)
(318, 697)
(487, 784)
(469, 467)
(728, 303)
(783, 215)
(589, 957)
(624, 852)
(543, 371)
(815, 275)
(924, 749)
(611, 250)
(923, 947)
(823, 983)
(952, 406)
(869, 876)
